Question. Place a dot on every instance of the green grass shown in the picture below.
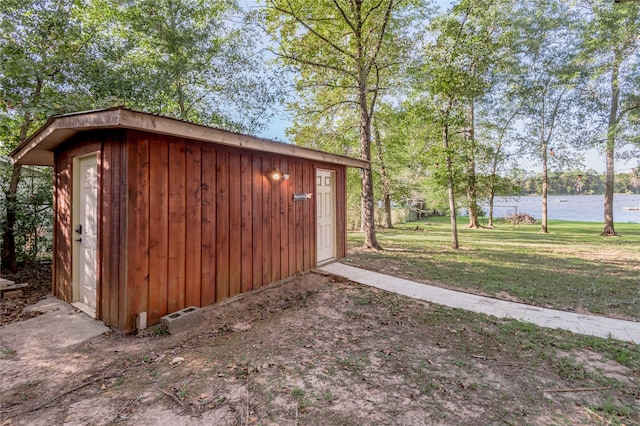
(570, 268)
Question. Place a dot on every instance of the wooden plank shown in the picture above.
(136, 297)
(291, 222)
(65, 237)
(235, 224)
(284, 220)
(299, 214)
(309, 218)
(246, 226)
(56, 226)
(177, 228)
(222, 226)
(6, 285)
(116, 256)
(105, 189)
(193, 207)
(11, 294)
(276, 185)
(266, 222)
(158, 229)
(130, 235)
(256, 223)
(208, 290)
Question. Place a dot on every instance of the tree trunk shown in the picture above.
(472, 188)
(368, 214)
(450, 183)
(545, 171)
(609, 230)
(494, 168)
(545, 188)
(386, 185)
(492, 196)
(9, 258)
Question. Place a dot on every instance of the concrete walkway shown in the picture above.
(590, 325)
(60, 327)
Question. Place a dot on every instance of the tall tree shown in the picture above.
(610, 48)
(42, 50)
(497, 131)
(344, 49)
(451, 76)
(194, 60)
(547, 87)
(397, 158)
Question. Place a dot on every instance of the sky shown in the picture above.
(593, 159)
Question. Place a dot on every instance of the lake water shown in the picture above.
(580, 208)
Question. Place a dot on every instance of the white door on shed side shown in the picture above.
(85, 234)
(326, 214)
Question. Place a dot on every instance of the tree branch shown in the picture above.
(344, 16)
(375, 93)
(309, 28)
(385, 21)
(329, 107)
(313, 63)
(366, 17)
(623, 112)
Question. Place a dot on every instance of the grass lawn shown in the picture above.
(570, 268)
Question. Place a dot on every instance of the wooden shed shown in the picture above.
(154, 214)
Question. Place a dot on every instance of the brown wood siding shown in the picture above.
(110, 210)
(275, 224)
(297, 217)
(62, 250)
(194, 225)
(136, 290)
(111, 235)
(208, 254)
(309, 217)
(223, 210)
(216, 225)
(256, 223)
(158, 228)
(246, 222)
(284, 226)
(187, 223)
(176, 284)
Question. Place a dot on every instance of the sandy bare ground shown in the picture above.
(314, 350)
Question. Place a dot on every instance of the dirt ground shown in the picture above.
(318, 350)
(39, 278)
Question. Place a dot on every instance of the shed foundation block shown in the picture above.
(182, 320)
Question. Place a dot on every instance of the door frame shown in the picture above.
(333, 216)
(75, 216)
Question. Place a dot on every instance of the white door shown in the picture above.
(86, 231)
(326, 212)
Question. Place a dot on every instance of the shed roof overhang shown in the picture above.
(38, 149)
